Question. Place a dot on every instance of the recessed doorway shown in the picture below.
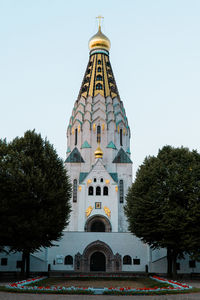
(98, 262)
(98, 226)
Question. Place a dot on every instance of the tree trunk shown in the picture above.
(23, 265)
(27, 264)
(169, 263)
(174, 257)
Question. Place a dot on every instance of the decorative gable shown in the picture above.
(111, 145)
(99, 170)
(122, 157)
(85, 145)
(74, 157)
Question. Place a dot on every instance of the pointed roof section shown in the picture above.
(98, 97)
(74, 157)
(82, 176)
(99, 77)
(122, 157)
(114, 176)
(111, 145)
(85, 145)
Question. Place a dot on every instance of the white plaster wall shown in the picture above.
(159, 263)
(12, 261)
(122, 243)
(110, 201)
(185, 268)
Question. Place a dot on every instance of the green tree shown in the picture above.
(163, 204)
(34, 195)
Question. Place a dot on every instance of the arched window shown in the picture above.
(99, 77)
(98, 134)
(68, 260)
(75, 190)
(99, 69)
(121, 135)
(121, 191)
(99, 86)
(127, 260)
(76, 136)
(101, 179)
(105, 191)
(90, 191)
(98, 191)
(99, 62)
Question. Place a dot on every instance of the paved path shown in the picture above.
(11, 296)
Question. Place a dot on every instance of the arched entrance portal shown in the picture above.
(98, 256)
(98, 262)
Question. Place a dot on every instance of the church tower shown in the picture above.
(98, 147)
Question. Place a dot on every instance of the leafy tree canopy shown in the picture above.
(163, 204)
(34, 193)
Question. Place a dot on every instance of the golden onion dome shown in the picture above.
(98, 153)
(99, 41)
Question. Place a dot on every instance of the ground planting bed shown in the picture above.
(88, 285)
(100, 282)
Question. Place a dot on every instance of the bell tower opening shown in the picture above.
(98, 262)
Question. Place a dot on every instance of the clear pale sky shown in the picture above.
(155, 56)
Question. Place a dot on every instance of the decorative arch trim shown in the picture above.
(97, 246)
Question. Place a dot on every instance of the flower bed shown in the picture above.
(173, 286)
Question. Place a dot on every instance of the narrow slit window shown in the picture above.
(105, 191)
(98, 134)
(75, 190)
(121, 137)
(99, 69)
(121, 191)
(76, 136)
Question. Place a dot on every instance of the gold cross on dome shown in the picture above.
(100, 19)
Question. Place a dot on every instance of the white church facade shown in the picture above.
(99, 164)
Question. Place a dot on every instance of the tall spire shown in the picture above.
(99, 77)
(98, 115)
